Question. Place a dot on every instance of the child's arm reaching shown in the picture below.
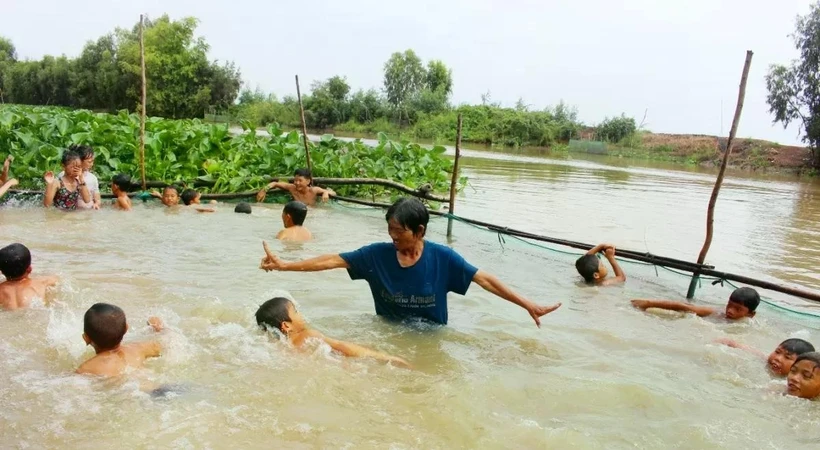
(620, 276)
(734, 344)
(325, 193)
(357, 351)
(701, 311)
(153, 349)
(7, 185)
(260, 196)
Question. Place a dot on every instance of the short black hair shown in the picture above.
(796, 346)
(188, 195)
(68, 156)
(85, 151)
(303, 172)
(747, 297)
(122, 181)
(15, 259)
(273, 313)
(297, 212)
(410, 213)
(810, 356)
(587, 266)
(242, 207)
(170, 186)
(105, 325)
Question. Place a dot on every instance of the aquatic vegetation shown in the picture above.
(184, 151)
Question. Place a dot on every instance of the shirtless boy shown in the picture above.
(293, 217)
(120, 185)
(104, 326)
(593, 269)
(301, 189)
(20, 287)
(742, 303)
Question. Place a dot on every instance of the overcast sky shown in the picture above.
(677, 58)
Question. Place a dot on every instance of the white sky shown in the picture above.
(680, 59)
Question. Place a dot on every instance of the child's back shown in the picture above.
(20, 287)
(295, 233)
(293, 218)
(104, 327)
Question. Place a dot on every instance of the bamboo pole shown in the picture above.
(710, 211)
(142, 107)
(304, 126)
(454, 182)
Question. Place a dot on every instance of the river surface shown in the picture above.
(597, 374)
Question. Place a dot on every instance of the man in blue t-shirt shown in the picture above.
(412, 276)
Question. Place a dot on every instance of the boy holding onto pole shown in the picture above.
(301, 189)
(593, 269)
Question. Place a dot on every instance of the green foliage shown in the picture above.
(404, 76)
(794, 91)
(616, 129)
(327, 105)
(106, 75)
(439, 78)
(8, 56)
(187, 150)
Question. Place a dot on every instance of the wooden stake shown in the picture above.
(454, 182)
(142, 108)
(304, 126)
(710, 211)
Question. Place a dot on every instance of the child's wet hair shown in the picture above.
(273, 313)
(747, 297)
(810, 356)
(171, 187)
(587, 266)
(15, 259)
(68, 156)
(105, 325)
(297, 212)
(188, 196)
(410, 213)
(305, 173)
(122, 181)
(243, 208)
(796, 346)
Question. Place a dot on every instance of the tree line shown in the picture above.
(106, 75)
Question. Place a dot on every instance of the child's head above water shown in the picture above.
(780, 361)
(591, 268)
(104, 326)
(190, 196)
(302, 178)
(15, 261)
(121, 183)
(242, 208)
(804, 376)
(280, 314)
(294, 214)
(742, 303)
(170, 196)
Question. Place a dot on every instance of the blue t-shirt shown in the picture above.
(416, 291)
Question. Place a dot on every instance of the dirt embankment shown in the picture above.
(747, 153)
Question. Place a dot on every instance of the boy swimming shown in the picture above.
(169, 197)
(293, 216)
(104, 326)
(242, 208)
(742, 303)
(192, 197)
(301, 189)
(120, 185)
(804, 376)
(594, 271)
(280, 314)
(780, 361)
(20, 287)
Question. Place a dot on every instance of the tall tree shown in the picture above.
(97, 80)
(8, 56)
(404, 76)
(439, 77)
(794, 91)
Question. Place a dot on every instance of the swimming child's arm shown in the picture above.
(260, 196)
(7, 185)
(325, 193)
(701, 311)
(620, 276)
(325, 262)
(734, 344)
(51, 188)
(357, 351)
(598, 249)
(156, 194)
(494, 286)
(153, 349)
(205, 210)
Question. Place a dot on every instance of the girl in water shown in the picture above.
(64, 192)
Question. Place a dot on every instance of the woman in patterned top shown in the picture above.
(64, 192)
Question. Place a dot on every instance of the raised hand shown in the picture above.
(13, 182)
(49, 177)
(610, 251)
(7, 164)
(260, 196)
(156, 323)
(270, 261)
